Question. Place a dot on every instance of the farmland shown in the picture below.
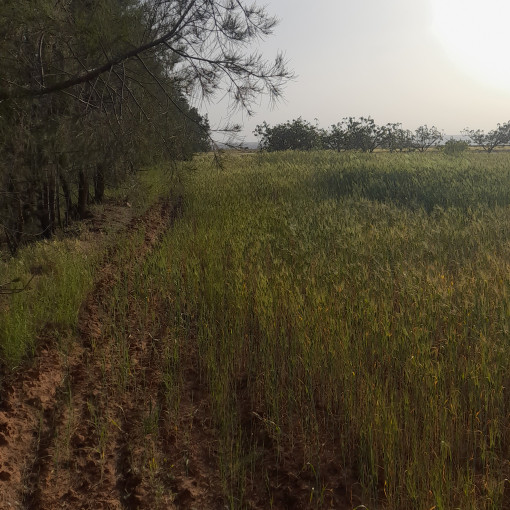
(293, 330)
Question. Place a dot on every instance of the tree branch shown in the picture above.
(94, 73)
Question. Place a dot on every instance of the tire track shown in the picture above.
(89, 478)
(50, 400)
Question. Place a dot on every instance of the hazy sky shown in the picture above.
(435, 62)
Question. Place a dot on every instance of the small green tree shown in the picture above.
(489, 141)
(425, 137)
(336, 138)
(361, 134)
(297, 134)
(455, 147)
(395, 138)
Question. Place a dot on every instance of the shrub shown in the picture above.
(455, 147)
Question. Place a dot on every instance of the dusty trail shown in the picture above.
(69, 439)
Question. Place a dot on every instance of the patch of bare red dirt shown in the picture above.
(39, 401)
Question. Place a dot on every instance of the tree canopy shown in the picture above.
(297, 134)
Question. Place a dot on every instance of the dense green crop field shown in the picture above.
(357, 307)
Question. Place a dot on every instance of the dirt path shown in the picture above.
(76, 433)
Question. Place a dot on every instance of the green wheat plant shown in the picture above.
(354, 300)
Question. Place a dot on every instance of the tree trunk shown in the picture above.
(43, 211)
(14, 237)
(48, 205)
(99, 183)
(57, 204)
(83, 195)
(52, 203)
(68, 200)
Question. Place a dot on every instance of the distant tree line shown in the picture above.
(363, 134)
(91, 90)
